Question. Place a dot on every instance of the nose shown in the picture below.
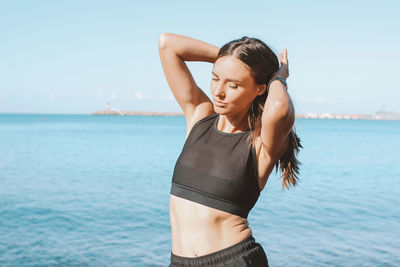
(219, 91)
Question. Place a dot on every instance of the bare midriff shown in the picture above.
(198, 230)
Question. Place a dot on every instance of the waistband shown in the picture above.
(215, 257)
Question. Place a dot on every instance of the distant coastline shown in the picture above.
(379, 115)
(136, 113)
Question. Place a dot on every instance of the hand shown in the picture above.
(283, 71)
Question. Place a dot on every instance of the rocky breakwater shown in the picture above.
(135, 113)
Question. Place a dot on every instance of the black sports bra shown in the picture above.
(217, 169)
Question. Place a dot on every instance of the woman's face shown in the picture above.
(232, 87)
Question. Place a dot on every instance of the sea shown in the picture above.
(86, 190)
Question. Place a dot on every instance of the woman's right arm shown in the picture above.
(174, 50)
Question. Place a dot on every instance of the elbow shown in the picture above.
(282, 112)
(162, 40)
(283, 108)
(288, 113)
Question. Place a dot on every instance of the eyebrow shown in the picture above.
(232, 80)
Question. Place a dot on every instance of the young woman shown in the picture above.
(233, 142)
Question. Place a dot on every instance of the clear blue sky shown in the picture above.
(75, 56)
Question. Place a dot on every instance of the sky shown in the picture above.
(72, 57)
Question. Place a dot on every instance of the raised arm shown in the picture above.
(278, 116)
(174, 50)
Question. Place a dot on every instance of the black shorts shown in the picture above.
(245, 253)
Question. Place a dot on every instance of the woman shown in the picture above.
(232, 144)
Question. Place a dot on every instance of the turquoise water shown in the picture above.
(94, 191)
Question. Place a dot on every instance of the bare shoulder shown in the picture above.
(202, 110)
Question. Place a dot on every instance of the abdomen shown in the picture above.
(198, 230)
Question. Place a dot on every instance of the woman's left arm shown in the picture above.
(278, 116)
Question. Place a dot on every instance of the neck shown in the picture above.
(232, 123)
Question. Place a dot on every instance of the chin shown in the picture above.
(219, 110)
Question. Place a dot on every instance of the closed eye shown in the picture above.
(233, 86)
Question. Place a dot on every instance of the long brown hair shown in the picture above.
(263, 63)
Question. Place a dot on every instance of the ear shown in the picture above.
(261, 89)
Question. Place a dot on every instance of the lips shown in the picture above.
(218, 103)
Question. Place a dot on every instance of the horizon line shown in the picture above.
(175, 112)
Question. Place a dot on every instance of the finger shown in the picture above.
(285, 56)
(287, 60)
(283, 60)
